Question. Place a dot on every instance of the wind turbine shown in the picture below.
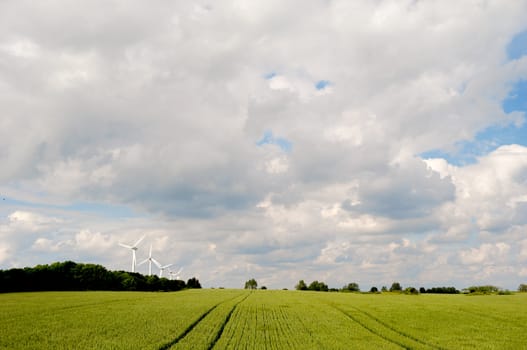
(174, 273)
(133, 247)
(150, 260)
(161, 268)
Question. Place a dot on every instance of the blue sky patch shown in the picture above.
(322, 84)
(460, 157)
(269, 139)
(269, 75)
(517, 100)
(489, 139)
(518, 46)
(486, 141)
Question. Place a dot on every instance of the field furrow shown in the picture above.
(209, 329)
(398, 331)
(222, 327)
(187, 330)
(384, 331)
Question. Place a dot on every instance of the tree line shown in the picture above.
(396, 287)
(71, 276)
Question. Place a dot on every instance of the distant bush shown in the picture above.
(411, 290)
(488, 289)
(314, 286)
(439, 290)
(374, 290)
(522, 288)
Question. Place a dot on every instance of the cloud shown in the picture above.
(484, 255)
(295, 148)
(30, 221)
(489, 194)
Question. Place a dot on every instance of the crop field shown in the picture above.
(239, 319)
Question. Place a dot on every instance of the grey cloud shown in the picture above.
(159, 107)
(403, 192)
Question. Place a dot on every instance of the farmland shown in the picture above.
(239, 319)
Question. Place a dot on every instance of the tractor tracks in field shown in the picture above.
(384, 330)
(189, 329)
(224, 323)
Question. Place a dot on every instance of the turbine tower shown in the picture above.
(150, 260)
(133, 247)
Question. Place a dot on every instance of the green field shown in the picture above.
(238, 319)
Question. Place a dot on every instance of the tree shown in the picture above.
(352, 287)
(384, 289)
(193, 283)
(69, 275)
(488, 289)
(301, 285)
(396, 287)
(522, 288)
(374, 290)
(251, 284)
(318, 286)
(440, 290)
(411, 290)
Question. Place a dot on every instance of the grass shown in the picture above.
(238, 319)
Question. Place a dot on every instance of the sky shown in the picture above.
(332, 140)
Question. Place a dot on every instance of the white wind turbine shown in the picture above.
(161, 268)
(174, 273)
(133, 247)
(150, 260)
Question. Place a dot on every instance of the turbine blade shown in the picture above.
(164, 267)
(144, 261)
(156, 263)
(125, 245)
(139, 241)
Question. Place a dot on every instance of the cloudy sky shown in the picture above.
(343, 141)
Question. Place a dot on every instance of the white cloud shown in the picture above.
(486, 254)
(159, 108)
(277, 165)
(46, 245)
(23, 48)
(29, 221)
(523, 250)
(490, 193)
(93, 241)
